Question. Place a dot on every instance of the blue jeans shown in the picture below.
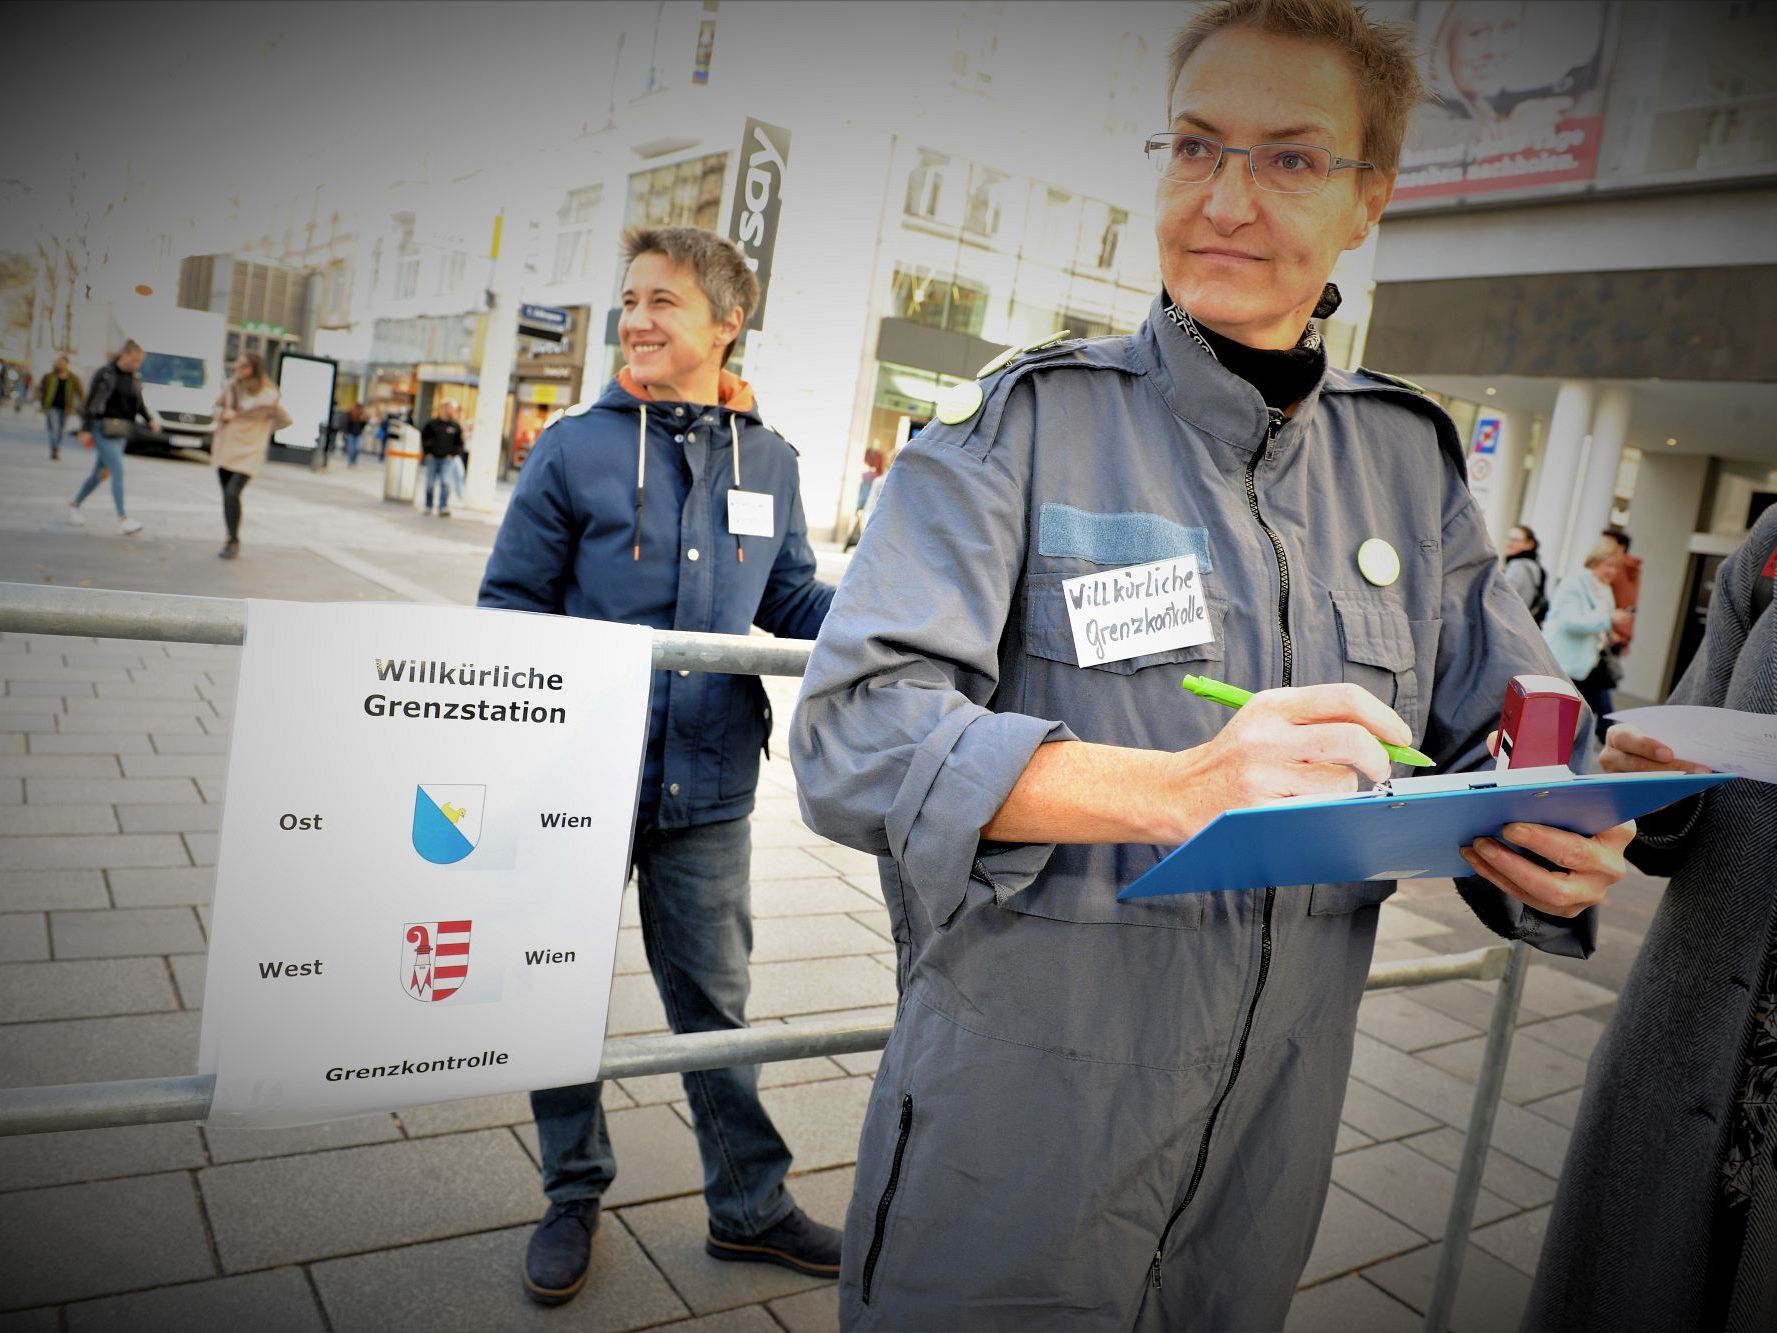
(353, 444)
(697, 926)
(438, 475)
(56, 419)
(107, 454)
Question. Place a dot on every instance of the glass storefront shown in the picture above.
(1009, 259)
(683, 194)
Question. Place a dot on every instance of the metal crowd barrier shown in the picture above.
(102, 613)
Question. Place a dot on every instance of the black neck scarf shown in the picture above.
(1281, 376)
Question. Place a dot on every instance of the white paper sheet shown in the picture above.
(424, 842)
(1726, 740)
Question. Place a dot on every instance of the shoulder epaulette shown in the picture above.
(1420, 400)
(975, 404)
(1396, 380)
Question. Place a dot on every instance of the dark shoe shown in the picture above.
(54, 454)
(555, 1261)
(231, 549)
(798, 1242)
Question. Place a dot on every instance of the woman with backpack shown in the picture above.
(1524, 571)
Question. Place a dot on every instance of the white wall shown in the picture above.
(1724, 228)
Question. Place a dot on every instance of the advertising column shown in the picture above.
(425, 838)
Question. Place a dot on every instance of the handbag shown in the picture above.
(115, 428)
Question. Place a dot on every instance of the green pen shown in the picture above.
(1232, 695)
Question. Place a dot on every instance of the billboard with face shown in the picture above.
(1516, 96)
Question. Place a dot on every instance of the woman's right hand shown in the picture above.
(1314, 740)
(1627, 750)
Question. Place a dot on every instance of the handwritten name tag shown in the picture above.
(1139, 609)
(750, 514)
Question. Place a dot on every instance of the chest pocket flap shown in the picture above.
(1048, 632)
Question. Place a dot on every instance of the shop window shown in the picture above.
(683, 194)
(931, 193)
(937, 301)
(1057, 217)
(984, 211)
(573, 244)
(450, 272)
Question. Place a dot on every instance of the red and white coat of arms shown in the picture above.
(434, 958)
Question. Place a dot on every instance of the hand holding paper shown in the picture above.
(1700, 739)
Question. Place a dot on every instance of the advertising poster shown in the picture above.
(1516, 96)
(425, 837)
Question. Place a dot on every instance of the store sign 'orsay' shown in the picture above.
(758, 196)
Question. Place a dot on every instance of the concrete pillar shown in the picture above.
(1610, 430)
(1668, 498)
(1563, 450)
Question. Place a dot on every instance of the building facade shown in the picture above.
(1581, 260)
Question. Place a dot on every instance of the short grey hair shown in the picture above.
(717, 264)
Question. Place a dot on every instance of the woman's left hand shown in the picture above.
(1588, 866)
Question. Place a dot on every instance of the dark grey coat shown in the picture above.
(1629, 1241)
(1045, 1104)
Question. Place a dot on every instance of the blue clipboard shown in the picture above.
(1405, 829)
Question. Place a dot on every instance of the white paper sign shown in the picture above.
(1726, 740)
(750, 513)
(424, 842)
(1139, 609)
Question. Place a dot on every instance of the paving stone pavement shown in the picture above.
(110, 788)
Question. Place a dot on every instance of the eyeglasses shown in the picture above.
(1281, 168)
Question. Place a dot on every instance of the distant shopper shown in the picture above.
(1625, 587)
(61, 397)
(384, 424)
(1525, 572)
(249, 412)
(113, 405)
(353, 429)
(1666, 1217)
(441, 439)
(1581, 618)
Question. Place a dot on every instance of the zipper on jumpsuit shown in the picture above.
(1283, 629)
(888, 1196)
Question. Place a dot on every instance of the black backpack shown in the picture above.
(1539, 605)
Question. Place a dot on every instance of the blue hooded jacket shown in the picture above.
(569, 545)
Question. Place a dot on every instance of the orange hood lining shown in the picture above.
(731, 390)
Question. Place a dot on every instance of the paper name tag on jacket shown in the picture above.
(1136, 610)
(750, 513)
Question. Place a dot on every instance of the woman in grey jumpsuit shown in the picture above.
(1096, 1114)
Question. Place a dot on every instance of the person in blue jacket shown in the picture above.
(667, 502)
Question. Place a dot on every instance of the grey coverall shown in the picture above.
(1096, 1114)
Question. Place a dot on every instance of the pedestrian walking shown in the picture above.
(1095, 1114)
(1581, 616)
(1666, 1215)
(1625, 591)
(249, 411)
(1524, 571)
(667, 502)
(353, 430)
(113, 405)
(61, 396)
(441, 440)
